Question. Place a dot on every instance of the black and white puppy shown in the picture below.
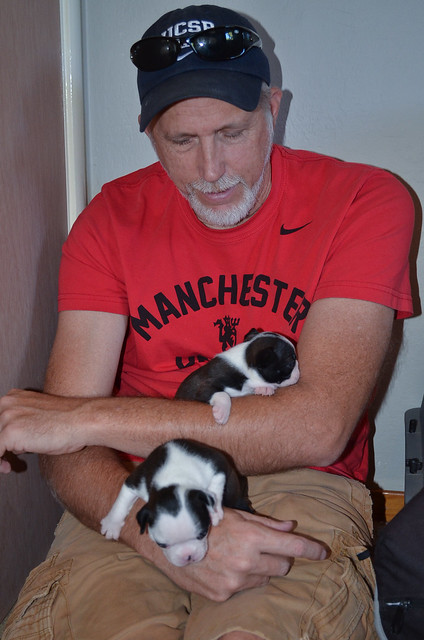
(184, 484)
(260, 364)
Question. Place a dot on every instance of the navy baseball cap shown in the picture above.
(237, 80)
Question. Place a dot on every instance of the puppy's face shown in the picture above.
(178, 520)
(274, 357)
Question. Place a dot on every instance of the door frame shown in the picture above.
(73, 107)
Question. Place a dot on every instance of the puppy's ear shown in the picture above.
(251, 334)
(202, 496)
(144, 518)
(209, 499)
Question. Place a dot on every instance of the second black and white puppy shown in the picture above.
(184, 484)
(259, 365)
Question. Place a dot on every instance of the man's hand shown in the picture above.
(245, 551)
(38, 423)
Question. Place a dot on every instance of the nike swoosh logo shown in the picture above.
(287, 232)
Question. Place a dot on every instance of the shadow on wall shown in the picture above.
(397, 333)
(268, 46)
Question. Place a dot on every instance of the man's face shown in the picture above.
(217, 155)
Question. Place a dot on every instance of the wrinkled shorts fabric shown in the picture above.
(90, 588)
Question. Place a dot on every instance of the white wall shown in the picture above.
(352, 73)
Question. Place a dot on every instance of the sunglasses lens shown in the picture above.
(153, 54)
(220, 44)
(216, 44)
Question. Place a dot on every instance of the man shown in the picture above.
(164, 267)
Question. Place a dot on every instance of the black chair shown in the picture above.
(399, 549)
(414, 449)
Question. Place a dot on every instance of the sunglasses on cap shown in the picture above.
(216, 44)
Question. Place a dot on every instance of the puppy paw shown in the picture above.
(216, 518)
(221, 414)
(221, 406)
(216, 515)
(266, 390)
(110, 528)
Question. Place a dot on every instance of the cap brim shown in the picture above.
(240, 89)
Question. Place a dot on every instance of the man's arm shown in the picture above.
(340, 352)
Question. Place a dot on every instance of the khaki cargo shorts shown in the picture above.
(93, 589)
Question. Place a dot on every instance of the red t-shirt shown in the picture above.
(327, 229)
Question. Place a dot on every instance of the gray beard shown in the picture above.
(235, 213)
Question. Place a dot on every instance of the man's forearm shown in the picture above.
(263, 435)
(85, 482)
